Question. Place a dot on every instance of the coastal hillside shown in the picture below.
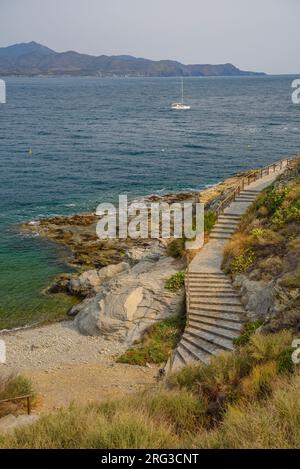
(244, 398)
(33, 59)
(263, 255)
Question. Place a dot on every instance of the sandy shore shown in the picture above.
(67, 366)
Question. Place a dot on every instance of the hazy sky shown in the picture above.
(261, 35)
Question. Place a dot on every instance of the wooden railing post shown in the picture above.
(28, 405)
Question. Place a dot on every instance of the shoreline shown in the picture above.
(47, 231)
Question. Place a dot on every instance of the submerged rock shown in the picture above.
(128, 304)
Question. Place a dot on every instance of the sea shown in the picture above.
(67, 144)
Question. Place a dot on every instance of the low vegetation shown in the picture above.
(249, 329)
(157, 344)
(210, 218)
(268, 240)
(175, 282)
(245, 399)
(176, 248)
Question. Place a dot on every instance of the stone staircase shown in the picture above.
(216, 317)
(215, 314)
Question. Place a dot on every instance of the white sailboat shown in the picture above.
(181, 105)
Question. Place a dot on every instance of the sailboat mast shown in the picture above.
(182, 89)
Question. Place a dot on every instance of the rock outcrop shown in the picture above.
(264, 300)
(129, 303)
(89, 282)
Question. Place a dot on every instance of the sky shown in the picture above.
(258, 35)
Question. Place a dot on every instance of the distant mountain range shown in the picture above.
(32, 59)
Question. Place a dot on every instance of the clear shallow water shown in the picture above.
(92, 139)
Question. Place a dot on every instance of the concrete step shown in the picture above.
(201, 281)
(206, 283)
(252, 193)
(200, 344)
(208, 276)
(209, 280)
(212, 274)
(197, 300)
(221, 232)
(198, 314)
(198, 278)
(232, 325)
(219, 308)
(177, 362)
(246, 201)
(214, 236)
(184, 354)
(223, 226)
(209, 295)
(195, 352)
(229, 221)
(214, 280)
(201, 293)
(200, 288)
(225, 344)
(219, 331)
(223, 229)
(232, 216)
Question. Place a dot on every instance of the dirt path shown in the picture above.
(66, 366)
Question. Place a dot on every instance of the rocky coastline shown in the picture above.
(120, 284)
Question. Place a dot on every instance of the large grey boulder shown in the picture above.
(264, 300)
(128, 304)
(257, 296)
(89, 282)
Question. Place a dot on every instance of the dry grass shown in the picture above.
(271, 423)
(14, 386)
(243, 399)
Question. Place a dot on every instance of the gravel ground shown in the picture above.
(54, 345)
(65, 366)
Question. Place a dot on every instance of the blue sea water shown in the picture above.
(92, 139)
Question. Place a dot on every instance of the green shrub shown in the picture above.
(244, 261)
(286, 214)
(248, 330)
(210, 218)
(285, 362)
(258, 232)
(176, 248)
(272, 199)
(157, 344)
(175, 282)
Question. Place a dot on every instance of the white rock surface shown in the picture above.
(89, 282)
(131, 302)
